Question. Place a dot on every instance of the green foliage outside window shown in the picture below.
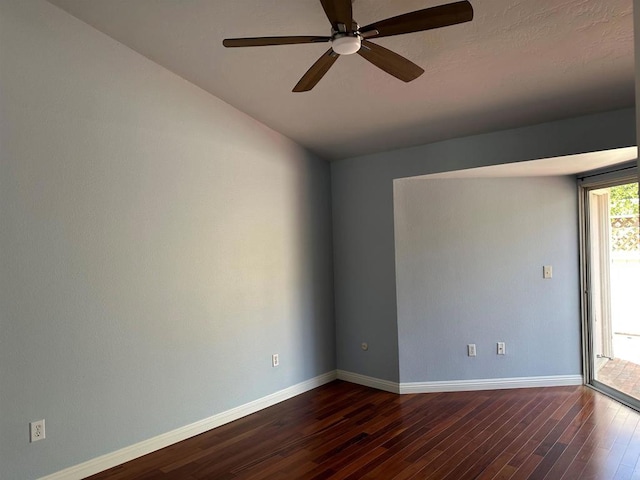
(624, 199)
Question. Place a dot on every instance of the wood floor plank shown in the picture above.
(523, 449)
(552, 448)
(459, 459)
(434, 432)
(428, 452)
(344, 431)
(476, 462)
(574, 444)
(399, 451)
(579, 463)
(532, 422)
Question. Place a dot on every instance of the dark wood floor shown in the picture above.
(345, 431)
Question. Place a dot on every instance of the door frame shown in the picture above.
(588, 181)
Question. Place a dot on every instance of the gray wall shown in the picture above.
(157, 246)
(364, 249)
(469, 257)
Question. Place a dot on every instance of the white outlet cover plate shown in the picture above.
(37, 431)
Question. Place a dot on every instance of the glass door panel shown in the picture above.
(614, 285)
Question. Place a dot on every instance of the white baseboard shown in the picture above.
(372, 382)
(491, 384)
(126, 454)
(461, 385)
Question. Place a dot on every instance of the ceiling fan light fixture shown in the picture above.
(346, 44)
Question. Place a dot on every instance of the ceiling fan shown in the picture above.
(347, 38)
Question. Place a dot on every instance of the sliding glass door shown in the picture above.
(611, 280)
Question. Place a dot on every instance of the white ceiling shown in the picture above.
(519, 62)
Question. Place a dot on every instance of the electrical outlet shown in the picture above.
(547, 272)
(502, 348)
(36, 430)
(275, 360)
(471, 349)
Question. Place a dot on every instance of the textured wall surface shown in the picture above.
(364, 248)
(157, 246)
(469, 257)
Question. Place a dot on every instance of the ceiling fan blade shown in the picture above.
(426, 19)
(339, 12)
(264, 41)
(316, 72)
(390, 62)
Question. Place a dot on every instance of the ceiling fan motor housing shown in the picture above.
(345, 44)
